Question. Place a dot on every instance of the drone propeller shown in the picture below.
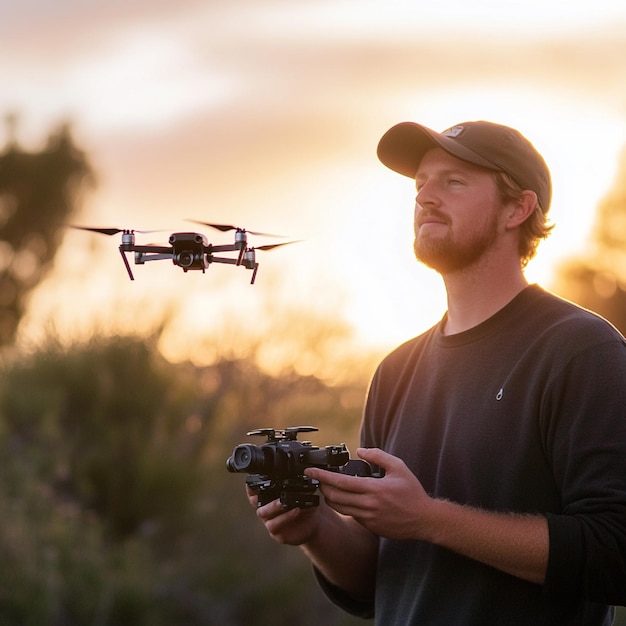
(247, 257)
(113, 231)
(271, 246)
(228, 227)
(104, 231)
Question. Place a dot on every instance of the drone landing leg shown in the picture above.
(126, 263)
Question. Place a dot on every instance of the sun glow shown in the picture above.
(272, 123)
(355, 264)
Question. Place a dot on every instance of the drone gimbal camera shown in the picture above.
(190, 250)
(276, 468)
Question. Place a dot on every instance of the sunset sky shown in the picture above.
(267, 114)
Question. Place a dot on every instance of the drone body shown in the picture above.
(190, 250)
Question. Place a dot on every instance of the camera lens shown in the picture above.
(247, 458)
(185, 258)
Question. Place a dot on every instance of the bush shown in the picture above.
(117, 507)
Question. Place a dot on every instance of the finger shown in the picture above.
(342, 482)
(270, 510)
(253, 497)
(379, 457)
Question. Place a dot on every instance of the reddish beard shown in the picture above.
(445, 254)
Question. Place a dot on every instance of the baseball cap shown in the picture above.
(489, 145)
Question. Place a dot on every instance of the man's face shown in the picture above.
(457, 211)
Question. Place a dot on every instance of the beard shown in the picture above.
(447, 254)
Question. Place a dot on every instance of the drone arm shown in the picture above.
(222, 259)
(247, 264)
(142, 257)
(225, 248)
(166, 250)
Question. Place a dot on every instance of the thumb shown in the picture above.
(379, 457)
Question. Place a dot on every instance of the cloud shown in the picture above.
(246, 90)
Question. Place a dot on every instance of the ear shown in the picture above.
(519, 211)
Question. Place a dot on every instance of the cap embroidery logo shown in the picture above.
(455, 131)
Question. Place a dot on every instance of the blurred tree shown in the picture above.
(38, 192)
(597, 280)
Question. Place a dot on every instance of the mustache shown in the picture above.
(429, 215)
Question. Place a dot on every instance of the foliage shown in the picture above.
(101, 407)
(597, 280)
(38, 192)
(117, 505)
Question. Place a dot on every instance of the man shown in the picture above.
(501, 430)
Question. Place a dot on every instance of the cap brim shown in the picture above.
(404, 145)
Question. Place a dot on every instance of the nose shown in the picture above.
(425, 202)
(425, 194)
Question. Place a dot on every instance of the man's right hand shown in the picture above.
(292, 527)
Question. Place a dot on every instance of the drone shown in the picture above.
(191, 250)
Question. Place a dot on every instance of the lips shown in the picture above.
(431, 218)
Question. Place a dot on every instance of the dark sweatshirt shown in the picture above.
(525, 413)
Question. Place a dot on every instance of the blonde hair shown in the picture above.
(535, 228)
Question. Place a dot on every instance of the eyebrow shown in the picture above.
(463, 168)
(445, 172)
